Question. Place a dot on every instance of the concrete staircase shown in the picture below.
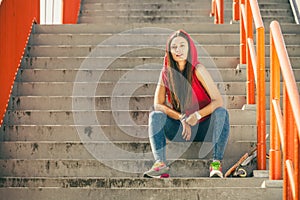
(77, 121)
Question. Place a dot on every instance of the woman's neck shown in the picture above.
(181, 65)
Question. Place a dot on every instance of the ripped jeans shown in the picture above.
(214, 129)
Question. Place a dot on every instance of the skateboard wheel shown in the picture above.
(242, 172)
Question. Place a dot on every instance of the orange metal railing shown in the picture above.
(16, 19)
(236, 10)
(284, 127)
(217, 10)
(255, 61)
(71, 10)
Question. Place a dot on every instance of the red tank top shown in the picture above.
(200, 97)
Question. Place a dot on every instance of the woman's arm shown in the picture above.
(212, 90)
(160, 99)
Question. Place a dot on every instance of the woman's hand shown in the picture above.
(192, 119)
(186, 130)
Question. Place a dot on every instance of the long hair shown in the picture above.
(180, 82)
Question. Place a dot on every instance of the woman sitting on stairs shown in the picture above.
(187, 106)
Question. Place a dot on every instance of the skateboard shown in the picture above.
(246, 164)
(241, 167)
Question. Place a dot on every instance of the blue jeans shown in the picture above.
(214, 129)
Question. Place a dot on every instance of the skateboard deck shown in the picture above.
(239, 168)
(236, 165)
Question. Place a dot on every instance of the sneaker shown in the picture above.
(158, 170)
(215, 169)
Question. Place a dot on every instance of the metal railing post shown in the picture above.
(235, 10)
(250, 71)
(275, 152)
(243, 40)
(249, 11)
(217, 10)
(261, 100)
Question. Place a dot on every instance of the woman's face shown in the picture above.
(179, 49)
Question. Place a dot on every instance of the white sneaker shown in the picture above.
(216, 169)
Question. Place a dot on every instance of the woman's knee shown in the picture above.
(221, 112)
(157, 116)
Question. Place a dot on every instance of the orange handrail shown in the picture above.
(16, 19)
(71, 9)
(284, 127)
(217, 10)
(249, 12)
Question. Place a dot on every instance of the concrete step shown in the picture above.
(144, 73)
(173, 5)
(106, 88)
(121, 62)
(133, 102)
(124, 50)
(137, 39)
(281, 19)
(172, 1)
(103, 117)
(66, 88)
(158, 8)
(150, 12)
(137, 50)
(149, 1)
(137, 75)
(102, 168)
(102, 102)
(274, 5)
(195, 28)
(127, 39)
(14, 185)
(169, 19)
(277, 12)
(66, 133)
(143, 19)
(120, 182)
(128, 194)
(150, 5)
(138, 28)
(87, 63)
(176, 12)
(108, 150)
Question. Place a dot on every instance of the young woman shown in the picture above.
(187, 106)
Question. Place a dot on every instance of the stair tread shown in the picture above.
(101, 167)
(127, 194)
(190, 27)
(120, 182)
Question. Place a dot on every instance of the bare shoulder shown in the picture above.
(200, 66)
(201, 71)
